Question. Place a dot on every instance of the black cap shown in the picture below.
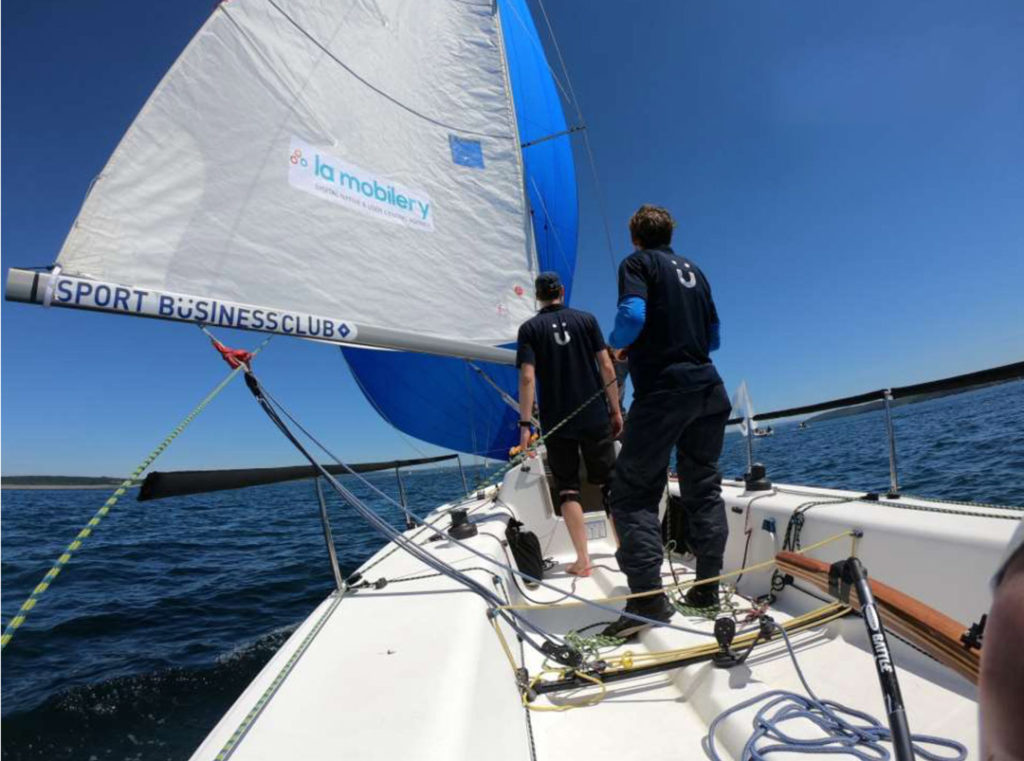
(548, 285)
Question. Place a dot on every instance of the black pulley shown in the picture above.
(725, 632)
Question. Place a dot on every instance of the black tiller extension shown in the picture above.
(854, 573)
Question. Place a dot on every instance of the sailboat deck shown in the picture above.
(415, 669)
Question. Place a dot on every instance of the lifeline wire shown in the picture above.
(842, 735)
(65, 558)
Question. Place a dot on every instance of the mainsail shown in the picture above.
(450, 402)
(343, 171)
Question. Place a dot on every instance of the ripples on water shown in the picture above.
(173, 606)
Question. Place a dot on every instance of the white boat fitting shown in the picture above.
(413, 666)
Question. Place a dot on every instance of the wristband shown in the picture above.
(526, 424)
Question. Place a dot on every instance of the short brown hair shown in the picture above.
(651, 226)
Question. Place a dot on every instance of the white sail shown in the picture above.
(352, 160)
(743, 407)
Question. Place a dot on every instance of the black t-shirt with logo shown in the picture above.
(671, 351)
(562, 343)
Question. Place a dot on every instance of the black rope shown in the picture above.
(791, 542)
(515, 621)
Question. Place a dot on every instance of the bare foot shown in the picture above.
(578, 569)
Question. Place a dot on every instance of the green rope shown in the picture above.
(593, 644)
(15, 623)
(726, 604)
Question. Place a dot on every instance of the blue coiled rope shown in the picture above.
(841, 734)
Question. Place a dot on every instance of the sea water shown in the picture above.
(172, 607)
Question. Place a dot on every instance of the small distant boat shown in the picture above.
(760, 433)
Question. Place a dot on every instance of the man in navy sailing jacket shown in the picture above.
(667, 326)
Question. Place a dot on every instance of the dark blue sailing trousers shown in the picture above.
(693, 423)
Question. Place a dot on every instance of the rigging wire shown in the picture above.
(570, 96)
(270, 405)
(586, 137)
(517, 622)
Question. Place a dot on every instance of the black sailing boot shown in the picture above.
(656, 607)
(705, 595)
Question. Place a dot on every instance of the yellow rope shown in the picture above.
(630, 660)
(15, 623)
(590, 701)
(504, 644)
(817, 617)
(681, 586)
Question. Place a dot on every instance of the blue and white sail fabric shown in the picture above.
(333, 158)
(447, 401)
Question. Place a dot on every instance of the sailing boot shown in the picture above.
(705, 595)
(656, 607)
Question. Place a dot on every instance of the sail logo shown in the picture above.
(333, 179)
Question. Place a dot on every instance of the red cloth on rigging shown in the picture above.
(234, 357)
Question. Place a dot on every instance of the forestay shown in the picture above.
(343, 160)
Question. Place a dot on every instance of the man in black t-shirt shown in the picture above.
(667, 326)
(563, 349)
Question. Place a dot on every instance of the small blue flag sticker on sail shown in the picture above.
(466, 152)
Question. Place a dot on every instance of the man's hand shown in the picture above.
(524, 438)
(617, 424)
(620, 355)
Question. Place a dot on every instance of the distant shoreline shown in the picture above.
(59, 487)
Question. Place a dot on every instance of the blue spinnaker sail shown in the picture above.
(450, 402)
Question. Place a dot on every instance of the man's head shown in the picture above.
(549, 287)
(651, 227)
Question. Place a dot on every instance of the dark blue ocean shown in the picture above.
(173, 606)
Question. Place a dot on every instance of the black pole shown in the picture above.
(854, 573)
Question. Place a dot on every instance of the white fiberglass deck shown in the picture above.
(415, 669)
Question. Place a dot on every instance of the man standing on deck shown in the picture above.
(563, 348)
(667, 326)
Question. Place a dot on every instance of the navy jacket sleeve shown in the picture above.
(524, 349)
(633, 274)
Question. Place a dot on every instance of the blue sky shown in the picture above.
(847, 175)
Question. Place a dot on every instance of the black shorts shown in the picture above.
(598, 449)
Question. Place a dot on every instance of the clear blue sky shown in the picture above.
(849, 176)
